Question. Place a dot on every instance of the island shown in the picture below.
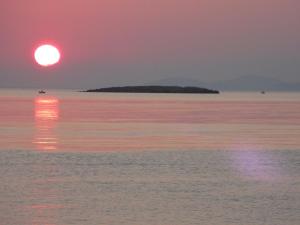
(156, 89)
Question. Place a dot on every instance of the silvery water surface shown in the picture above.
(149, 159)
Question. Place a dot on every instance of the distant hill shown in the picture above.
(244, 83)
(175, 81)
(255, 83)
(156, 89)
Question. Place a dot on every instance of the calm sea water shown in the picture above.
(149, 159)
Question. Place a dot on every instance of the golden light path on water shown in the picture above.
(46, 118)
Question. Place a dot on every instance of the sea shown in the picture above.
(75, 158)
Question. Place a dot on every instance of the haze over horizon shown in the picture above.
(116, 42)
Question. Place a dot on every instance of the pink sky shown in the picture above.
(154, 37)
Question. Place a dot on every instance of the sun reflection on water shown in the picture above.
(255, 163)
(46, 117)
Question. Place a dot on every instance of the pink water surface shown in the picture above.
(73, 121)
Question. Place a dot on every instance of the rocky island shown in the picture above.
(156, 89)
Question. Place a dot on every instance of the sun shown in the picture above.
(47, 55)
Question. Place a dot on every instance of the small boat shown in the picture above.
(263, 92)
(42, 92)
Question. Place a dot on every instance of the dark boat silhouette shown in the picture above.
(42, 92)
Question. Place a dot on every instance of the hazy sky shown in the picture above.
(118, 42)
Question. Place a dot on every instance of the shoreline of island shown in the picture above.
(156, 89)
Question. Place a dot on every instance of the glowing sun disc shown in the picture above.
(47, 55)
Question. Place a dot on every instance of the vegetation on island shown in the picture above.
(156, 89)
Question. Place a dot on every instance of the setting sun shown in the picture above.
(47, 55)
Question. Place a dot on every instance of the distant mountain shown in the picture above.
(255, 83)
(174, 81)
(244, 83)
